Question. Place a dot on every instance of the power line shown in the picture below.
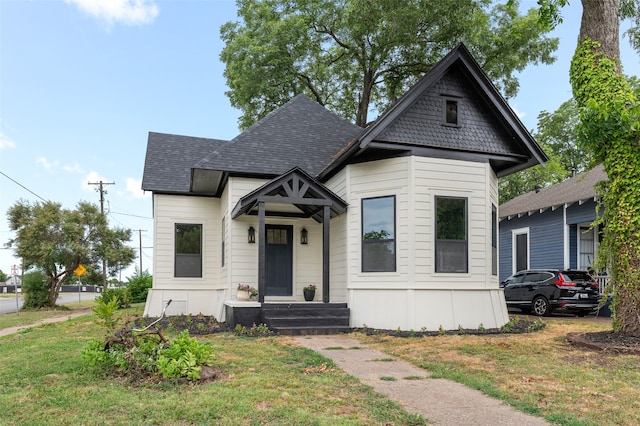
(21, 185)
(132, 215)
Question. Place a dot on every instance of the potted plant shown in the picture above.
(244, 291)
(309, 292)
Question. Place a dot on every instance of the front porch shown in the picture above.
(292, 196)
(290, 318)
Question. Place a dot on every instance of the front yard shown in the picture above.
(270, 380)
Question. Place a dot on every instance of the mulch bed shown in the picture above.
(602, 341)
(606, 341)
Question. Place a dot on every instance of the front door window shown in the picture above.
(279, 260)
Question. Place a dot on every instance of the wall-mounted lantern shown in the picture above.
(304, 236)
(252, 235)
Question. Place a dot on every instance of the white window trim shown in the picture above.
(514, 234)
(594, 232)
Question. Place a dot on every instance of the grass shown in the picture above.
(266, 381)
(539, 373)
(32, 317)
(273, 381)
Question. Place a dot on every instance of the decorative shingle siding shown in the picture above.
(423, 123)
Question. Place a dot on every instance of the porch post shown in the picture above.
(326, 218)
(262, 247)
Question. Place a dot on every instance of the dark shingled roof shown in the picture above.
(494, 130)
(169, 158)
(581, 187)
(301, 133)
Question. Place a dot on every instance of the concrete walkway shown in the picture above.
(440, 401)
(18, 328)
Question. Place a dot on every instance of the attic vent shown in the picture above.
(451, 112)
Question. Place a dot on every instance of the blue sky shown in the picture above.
(82, 82)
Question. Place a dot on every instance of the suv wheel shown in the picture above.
(540, 306)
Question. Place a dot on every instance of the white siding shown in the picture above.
(415, 296)
(412, 297)
(243, 257)
(338, 184)
(339, 258)
(168, 211)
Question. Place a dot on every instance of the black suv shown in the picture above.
(542, 291)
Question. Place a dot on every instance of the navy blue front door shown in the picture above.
(279, 260)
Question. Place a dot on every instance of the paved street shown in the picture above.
(8, 302)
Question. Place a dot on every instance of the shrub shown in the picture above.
(106, 312)
(139, 285)
(120, 294)
(184, 357)
(35, 290)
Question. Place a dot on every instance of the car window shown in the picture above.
(514, 279)
(578, 276)
(538, 276)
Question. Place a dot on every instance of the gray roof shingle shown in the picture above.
(301, 133)
(167, 165)
(581, 187)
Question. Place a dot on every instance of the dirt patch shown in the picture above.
(606, 341)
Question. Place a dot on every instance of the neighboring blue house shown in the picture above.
(551, 227)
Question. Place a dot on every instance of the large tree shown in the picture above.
(557, 133)
(56, 241)
(358, 56)
(610, 121)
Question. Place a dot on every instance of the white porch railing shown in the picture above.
(602, 280)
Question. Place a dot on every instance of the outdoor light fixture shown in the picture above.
(252, 235)
(304, 236)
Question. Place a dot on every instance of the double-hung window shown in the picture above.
(379, 234)
(451, 234)
(188, 250)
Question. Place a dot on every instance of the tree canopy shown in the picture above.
(557, 133)
(56, 241)
(358, 56)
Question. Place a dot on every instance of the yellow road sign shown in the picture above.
(80, 270)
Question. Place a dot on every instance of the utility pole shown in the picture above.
(102, 193)
(140, 231)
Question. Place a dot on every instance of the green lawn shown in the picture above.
(43, 382)
(265, 380)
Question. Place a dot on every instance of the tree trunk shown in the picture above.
(363, 105)
(608, 115)
(600, 22)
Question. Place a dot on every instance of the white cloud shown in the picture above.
(133, 187)
(48, 165)
(94, 178)
(75, 168)
(127, 12)
(6, 143)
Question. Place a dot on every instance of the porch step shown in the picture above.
(306, 318)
